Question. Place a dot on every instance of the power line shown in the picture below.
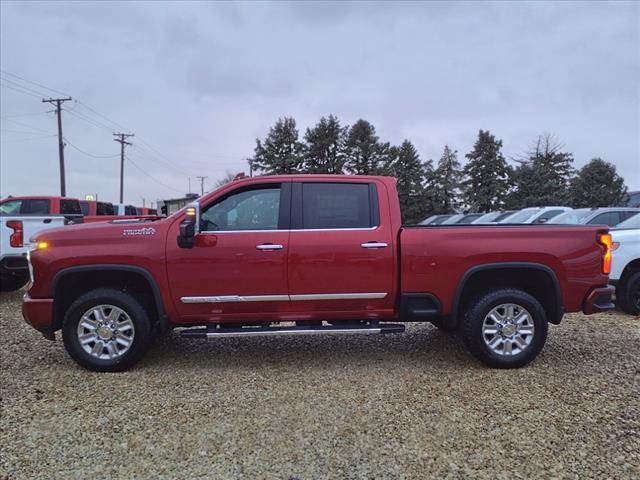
(28, 133)
(28, 89)
(21, 91)
(17, 115)
(38, 137)
(28, 126)
(87, 153)
(90, 121)
(151, 177)
(33, 83)
(102, 116)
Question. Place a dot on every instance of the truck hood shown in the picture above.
(101, 233)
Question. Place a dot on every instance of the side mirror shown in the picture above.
(188, 229)
(543, 220)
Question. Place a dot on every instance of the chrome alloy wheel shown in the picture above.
(508, 329)
(105, 332)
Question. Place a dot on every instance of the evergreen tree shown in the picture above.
(597, 185)
(410, 174)
(365, 155)
(551, 173)
(523, 182)
(446, 182)
(324, 149)
(281, 152)
(487, 175)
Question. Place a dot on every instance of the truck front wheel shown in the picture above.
(106, 330)
(505, 328)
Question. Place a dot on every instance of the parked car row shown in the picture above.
(539, 215)
(23, 217)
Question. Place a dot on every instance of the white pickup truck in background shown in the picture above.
(625, 264)
(15, 232)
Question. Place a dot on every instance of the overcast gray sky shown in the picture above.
(198, 82)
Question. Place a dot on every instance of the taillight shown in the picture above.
(605, 240)
(16, 239)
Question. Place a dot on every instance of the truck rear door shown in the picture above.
(341, 249)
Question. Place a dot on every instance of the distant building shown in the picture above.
(633, 199)
(171, 206)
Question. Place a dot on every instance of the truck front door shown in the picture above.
(238, 266)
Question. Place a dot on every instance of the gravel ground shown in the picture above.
(413, 405)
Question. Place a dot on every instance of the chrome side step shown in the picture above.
(210, 332)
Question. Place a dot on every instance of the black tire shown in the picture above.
(478, 309)
(107, 296)
(628, 294)
(13, 282)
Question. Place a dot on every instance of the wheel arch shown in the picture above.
(79, 278)
(631, 267)
(482, 277)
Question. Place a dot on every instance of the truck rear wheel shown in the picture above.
(505, 328)
(628, 294)
(106, 330)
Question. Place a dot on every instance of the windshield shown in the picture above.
(428, 220)
(633, 222)
(573, 217)
(440, 219)
(488, 217)
(453, 219)
(521, 216)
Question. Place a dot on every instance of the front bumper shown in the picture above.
(599, 300)
(38, 312)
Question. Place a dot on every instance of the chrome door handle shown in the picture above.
(269, 246)
(374, 245)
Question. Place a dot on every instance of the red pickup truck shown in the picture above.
(309, 254)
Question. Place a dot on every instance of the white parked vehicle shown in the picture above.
(625, 264)
(15, 232)
(535, 215)
(611, 216)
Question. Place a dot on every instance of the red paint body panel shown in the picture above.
(325, 262)
(37, 312)
(573, 254)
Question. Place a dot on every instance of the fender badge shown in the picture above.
(136, 232)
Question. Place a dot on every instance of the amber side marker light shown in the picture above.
(605, 240)
(191, 211)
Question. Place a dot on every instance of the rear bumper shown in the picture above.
(38, 312)
(598, 300)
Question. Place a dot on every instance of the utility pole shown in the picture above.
(201, 184)
(189, 184)
(143, 202)
(121, 139)
(58, 103)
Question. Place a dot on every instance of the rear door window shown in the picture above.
(608, 218)
(338, 205)
(103, 208)
(545, 217)
(130, 210)
(70, 207)
(36, 206)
